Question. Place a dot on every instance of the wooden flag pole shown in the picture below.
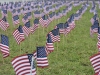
(63, 33)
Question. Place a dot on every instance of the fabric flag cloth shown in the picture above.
(25, 19)
(44, 21)
(14, 12)
(4, 13)
(42, 60)
(98, 43)
(93, 18)
(49, 44)
(4, 45)
(15, 20)
(95, 61)
(19, 35)
(98, 73)
(61, 27)
(24, 65)
(55, 35)
(71, 22)
(26, 28)
(35, 26)
(4, 24)
(94, 28)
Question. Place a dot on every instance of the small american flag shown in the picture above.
(19, 35)
(25, 19)
(4, 45)
(14, 12)
(4, 24)
(42, 60)
(16, 20)
(26, 28)
(94, 28)
(24, 65)
(95, 61)
(29, 15)
(49, 44)
(55, 35)
(35, 26)
(44, 21)
(4, 13)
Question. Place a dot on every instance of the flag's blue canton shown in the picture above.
(15, 17)
(60, 25)
(47, 9)
(32, 7)
(45, 17)
(71, 18)
(51, 15)
(27, 24)
(4, 19)
(41, 52)
(4, 40)
(49, 40)
(5, 11)
(55, 32)
(30, 60)
(18, 10)
(20, 29)
(25, 17)
(37, 12)
(36, 21)
(29, 14)
(95, 26)
(96, 22)
(66, 25)
(13, 11)
(99, 30)
(95, 16)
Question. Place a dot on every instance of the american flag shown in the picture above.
(4, 45)
(19, 12)
(29, 15)
(42, 60)
(37, 14)
(35, 26)
(67, 28)
(16, 20)
(51, 17)
(95, 61)
(94, 28)
(25, 19)
(4, 13)
(46, 10)
(44, 21)
(61, 28)
(14, 12)
(4, 24)
(93, 19)
(55, 35)
(19, 35)
(49, 44)
(26, 28)
(24, 65)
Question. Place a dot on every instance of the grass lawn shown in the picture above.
(72, 55)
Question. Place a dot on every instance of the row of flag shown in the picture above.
(95, 28)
